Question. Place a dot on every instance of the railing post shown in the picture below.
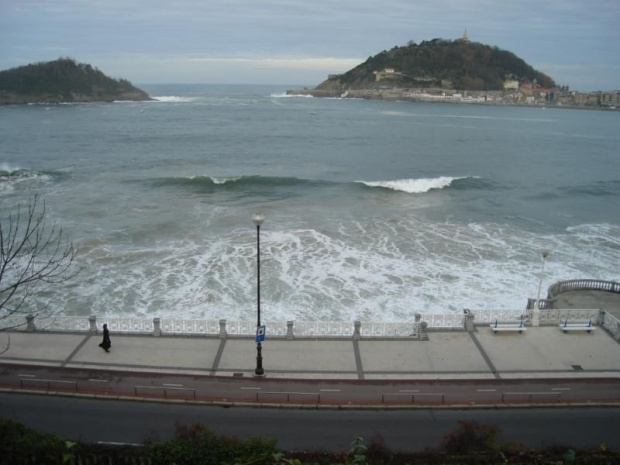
(289, 330)
(357, 330)
(423, 333)
(223, 333)
(528, 316)
(469, 320)
(31, 326)
(416, 325)
(156, 326)
(92, 320)
(536, 314)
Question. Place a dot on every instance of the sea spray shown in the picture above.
(414, 186)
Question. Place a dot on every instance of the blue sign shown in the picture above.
(260, 334)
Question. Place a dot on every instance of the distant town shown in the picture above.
(514, 93)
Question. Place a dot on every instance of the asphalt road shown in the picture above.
(312, 392)
(329, 429)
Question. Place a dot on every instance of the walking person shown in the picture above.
(106, 344)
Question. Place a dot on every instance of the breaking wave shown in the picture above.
(285, 95)
(12, 177)
(174, 99)
(421, 185)
(238, 181)
(411, 186)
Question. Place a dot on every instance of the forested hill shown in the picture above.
(457, 64)
(63, 81)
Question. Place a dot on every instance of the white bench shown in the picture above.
(576, 326)
(520, 327)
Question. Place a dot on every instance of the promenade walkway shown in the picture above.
(540, 352)
(608, 301)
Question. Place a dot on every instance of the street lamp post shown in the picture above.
(258, 219)
(536, 315)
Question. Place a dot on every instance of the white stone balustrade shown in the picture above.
(554, 316)
(416, 329)
(611, 324)
(491, 316)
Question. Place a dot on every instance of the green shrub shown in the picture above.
(21, 444)
(378, 451)
(198, 445)
(471, 436)
(357, 452)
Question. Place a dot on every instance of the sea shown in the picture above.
(374, 210)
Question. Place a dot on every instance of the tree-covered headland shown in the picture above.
(449, 64)
(63, 81)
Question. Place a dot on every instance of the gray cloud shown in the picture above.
(278, 38)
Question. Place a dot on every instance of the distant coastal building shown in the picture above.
(385, 73)
(464, 39)
(610, 99)
(511, 84)
(528, 88)
(587, 100)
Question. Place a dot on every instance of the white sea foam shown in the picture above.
(371, 270)
(19, 178)
(5, 187)
(285, 95)
(8, 168)
(215, 180)
(224, 180)
(413, 186)
(174, 99)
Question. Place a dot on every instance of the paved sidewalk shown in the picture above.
(609, 301)
(541, 352)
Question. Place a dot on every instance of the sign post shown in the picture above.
(260, 334)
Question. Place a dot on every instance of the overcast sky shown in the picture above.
(300, 42)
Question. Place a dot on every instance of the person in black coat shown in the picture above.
(106, 344)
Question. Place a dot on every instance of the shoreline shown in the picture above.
(400, 95)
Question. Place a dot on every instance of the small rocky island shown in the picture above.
(63, 81)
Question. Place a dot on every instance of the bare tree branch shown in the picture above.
(33, 254)
(6, 348)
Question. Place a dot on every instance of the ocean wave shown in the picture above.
(8, 168)
(285, 95)
(238, 181)
(411, 186)
(598, 189)
(174, 99)
(417, 185)
(13, 176)
(224, 180)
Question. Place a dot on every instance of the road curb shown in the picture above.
(231, 404)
